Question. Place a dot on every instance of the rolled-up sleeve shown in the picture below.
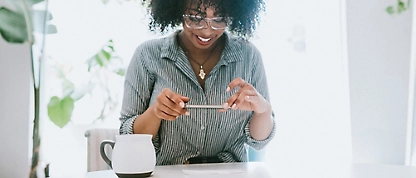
(259, 144)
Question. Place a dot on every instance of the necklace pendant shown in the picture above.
(201, 73)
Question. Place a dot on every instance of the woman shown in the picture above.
(200, 64)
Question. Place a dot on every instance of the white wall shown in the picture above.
(379, 59)
(411, 132)
(14, 109)
(308, 86)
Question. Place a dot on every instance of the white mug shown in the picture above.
(133, 155)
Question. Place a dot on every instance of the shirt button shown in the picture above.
(202, 127)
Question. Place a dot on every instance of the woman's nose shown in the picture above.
(207, 24)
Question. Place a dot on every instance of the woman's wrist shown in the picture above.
(267, 108)
(152, 115)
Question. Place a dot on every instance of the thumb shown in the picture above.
(184, 99)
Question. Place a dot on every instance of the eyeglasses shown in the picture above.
(198, 22)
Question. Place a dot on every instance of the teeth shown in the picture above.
(204, 39)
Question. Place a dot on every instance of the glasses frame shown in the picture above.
(206, 20)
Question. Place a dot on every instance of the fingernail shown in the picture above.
(234, 105)
(248, 97)
(187, 113)
(228, 89)
(225, 105)
(182, 104)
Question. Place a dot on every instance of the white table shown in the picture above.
(262, 170)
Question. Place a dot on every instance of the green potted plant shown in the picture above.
(20, 24)
(25, 22)
(100, 67)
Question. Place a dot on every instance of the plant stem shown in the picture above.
(36, 74)
(36, 135)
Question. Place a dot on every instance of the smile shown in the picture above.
(204, 39)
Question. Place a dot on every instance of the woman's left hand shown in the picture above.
(246, 98)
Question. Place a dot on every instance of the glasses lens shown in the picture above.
(219, 23)
(194, 21)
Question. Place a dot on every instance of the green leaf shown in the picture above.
(120, 71)
(104, 54)
(60, 110)
(91, 63)
(99, 60)
(39, 15)
(12, 27)
(40, 21)
(51, 29)
(111, 47)
(102, 57)
(390, 10)
(401, 7)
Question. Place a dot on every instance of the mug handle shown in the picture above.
(102, 152)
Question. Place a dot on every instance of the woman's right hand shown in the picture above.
(170, 105)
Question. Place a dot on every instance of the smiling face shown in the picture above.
(205, 37)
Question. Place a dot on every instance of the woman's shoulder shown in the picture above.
(151, 50)
(238, 41)
(153, 44)
(240, 44)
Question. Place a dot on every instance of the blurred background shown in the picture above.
(341, 80)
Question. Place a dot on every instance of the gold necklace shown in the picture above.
(201, 70)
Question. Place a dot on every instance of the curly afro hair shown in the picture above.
(244, 14)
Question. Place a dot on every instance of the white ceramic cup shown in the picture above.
(133, 155)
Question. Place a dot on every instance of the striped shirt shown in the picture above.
(161, 63)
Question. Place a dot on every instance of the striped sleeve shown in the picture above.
(259, 81)
(138, 86)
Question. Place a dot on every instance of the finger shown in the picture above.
(237, 98)
(231, 100)
(225, 107)
(241, 98)
(236, 82)
(177, 101)
(162, 113)
(185, 99)
(184, 111)
(165, 112)
(168, 110)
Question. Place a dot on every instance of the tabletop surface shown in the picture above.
(258, 169)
